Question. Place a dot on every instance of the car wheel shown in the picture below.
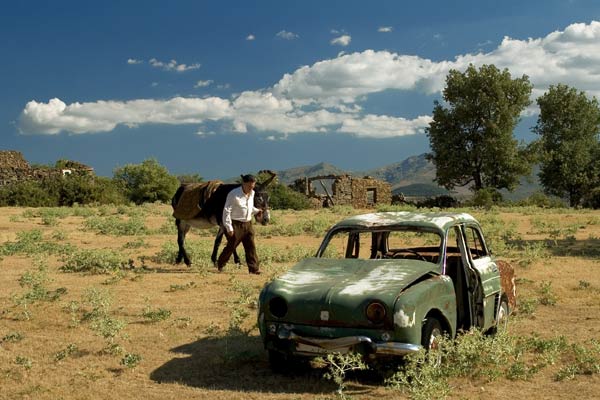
(431, 338)
(501, 318)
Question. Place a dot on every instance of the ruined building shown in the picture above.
(14, 168)
(364, 192)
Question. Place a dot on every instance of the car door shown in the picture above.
(481, 261)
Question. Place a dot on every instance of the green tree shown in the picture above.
(472, 138)
(146, 182)
(568, 125)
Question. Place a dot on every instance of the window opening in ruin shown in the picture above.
(371, 197)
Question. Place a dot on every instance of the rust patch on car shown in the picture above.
(507, 280)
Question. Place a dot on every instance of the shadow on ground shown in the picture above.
(237, 363)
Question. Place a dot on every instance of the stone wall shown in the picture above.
(14, 168)
(347, 190)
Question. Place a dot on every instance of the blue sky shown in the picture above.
(221, 88)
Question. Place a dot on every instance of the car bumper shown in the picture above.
(310, 346)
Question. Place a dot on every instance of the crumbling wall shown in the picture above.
(347, 190)
(14, 168)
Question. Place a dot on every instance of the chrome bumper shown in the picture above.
(320, 346)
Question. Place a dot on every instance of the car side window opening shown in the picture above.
(475, 243)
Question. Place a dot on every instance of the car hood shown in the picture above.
(332, 290)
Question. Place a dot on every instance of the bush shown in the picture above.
(486, 198)
(57, 191)
(146, 182)
(284, 198)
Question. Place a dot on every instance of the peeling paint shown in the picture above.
(403, 320)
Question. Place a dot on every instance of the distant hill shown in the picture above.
(288, 176)
(413, 177)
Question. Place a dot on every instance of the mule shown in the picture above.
(211, 213)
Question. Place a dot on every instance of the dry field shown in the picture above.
(154, 330)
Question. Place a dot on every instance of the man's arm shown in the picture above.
(227, 223)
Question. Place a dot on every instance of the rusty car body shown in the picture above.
(387, 284)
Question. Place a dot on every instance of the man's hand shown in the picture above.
(230, 233)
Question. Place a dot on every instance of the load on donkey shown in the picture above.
(200, 205)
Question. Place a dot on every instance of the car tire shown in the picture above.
(431, 337)
(501, 318)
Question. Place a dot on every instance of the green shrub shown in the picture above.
(96, 261)
(146, 182)
(282, 197)
(116, 226)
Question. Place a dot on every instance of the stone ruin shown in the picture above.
(366, 192)
(14, 168)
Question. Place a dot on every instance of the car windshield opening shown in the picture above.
(405, 243)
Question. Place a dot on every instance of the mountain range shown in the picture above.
(413, 176)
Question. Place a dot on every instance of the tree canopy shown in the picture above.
(471, 135)
(146, 182)
(569, 126)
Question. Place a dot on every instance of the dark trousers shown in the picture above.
(243, 232)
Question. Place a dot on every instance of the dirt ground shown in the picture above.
(185, 323)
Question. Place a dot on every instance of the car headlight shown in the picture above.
(376, 312)
(278, 307)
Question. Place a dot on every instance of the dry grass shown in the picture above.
(48, 350)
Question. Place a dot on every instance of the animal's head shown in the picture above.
(261, 198)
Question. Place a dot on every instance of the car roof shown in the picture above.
(433, 220)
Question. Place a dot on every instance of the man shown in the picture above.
(237, 221)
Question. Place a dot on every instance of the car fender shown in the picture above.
(431, 295)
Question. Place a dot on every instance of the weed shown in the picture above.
(25, 362)
(31, 243)
(583, 285)
(96, 261)
(70, 350)
(421, 377)
(160, 314)
(340, 364)
(12, 337)
(177, 288)
(135, 244)
(116, 226)
(131, 360)
(547, 295)
(99, 316)
(526, 307)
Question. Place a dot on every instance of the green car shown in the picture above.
(387, 284)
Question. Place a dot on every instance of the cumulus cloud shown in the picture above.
(385, 29)
(133, 61)
(172, 65)
(382, 126)
(287, 35)
(250, 37)
(103, 116)
(327, 95)
(343, 40)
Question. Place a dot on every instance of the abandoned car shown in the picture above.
(387, 284)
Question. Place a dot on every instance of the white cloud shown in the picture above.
(201, 84)
(327, 95)
(287, 35)
(250, 37)
(385, 29)
(133, 61)
(343, 40)
(173, 65)
(102, 116)
(382, 126)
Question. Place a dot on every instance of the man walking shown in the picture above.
(237, 221)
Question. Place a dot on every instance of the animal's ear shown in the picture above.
(242, 178)
(270, 179)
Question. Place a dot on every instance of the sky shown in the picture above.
(221, 88)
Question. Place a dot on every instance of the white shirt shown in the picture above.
(238, 207)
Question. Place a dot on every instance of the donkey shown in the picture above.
(210, 213)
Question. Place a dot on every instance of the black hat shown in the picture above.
(248, 178)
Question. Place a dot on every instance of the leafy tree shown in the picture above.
(190, 178)
(146, 182)
(282, 197)
(472, 138)
(569, 126)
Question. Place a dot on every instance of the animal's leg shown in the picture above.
(218, 240)
(182, 230)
